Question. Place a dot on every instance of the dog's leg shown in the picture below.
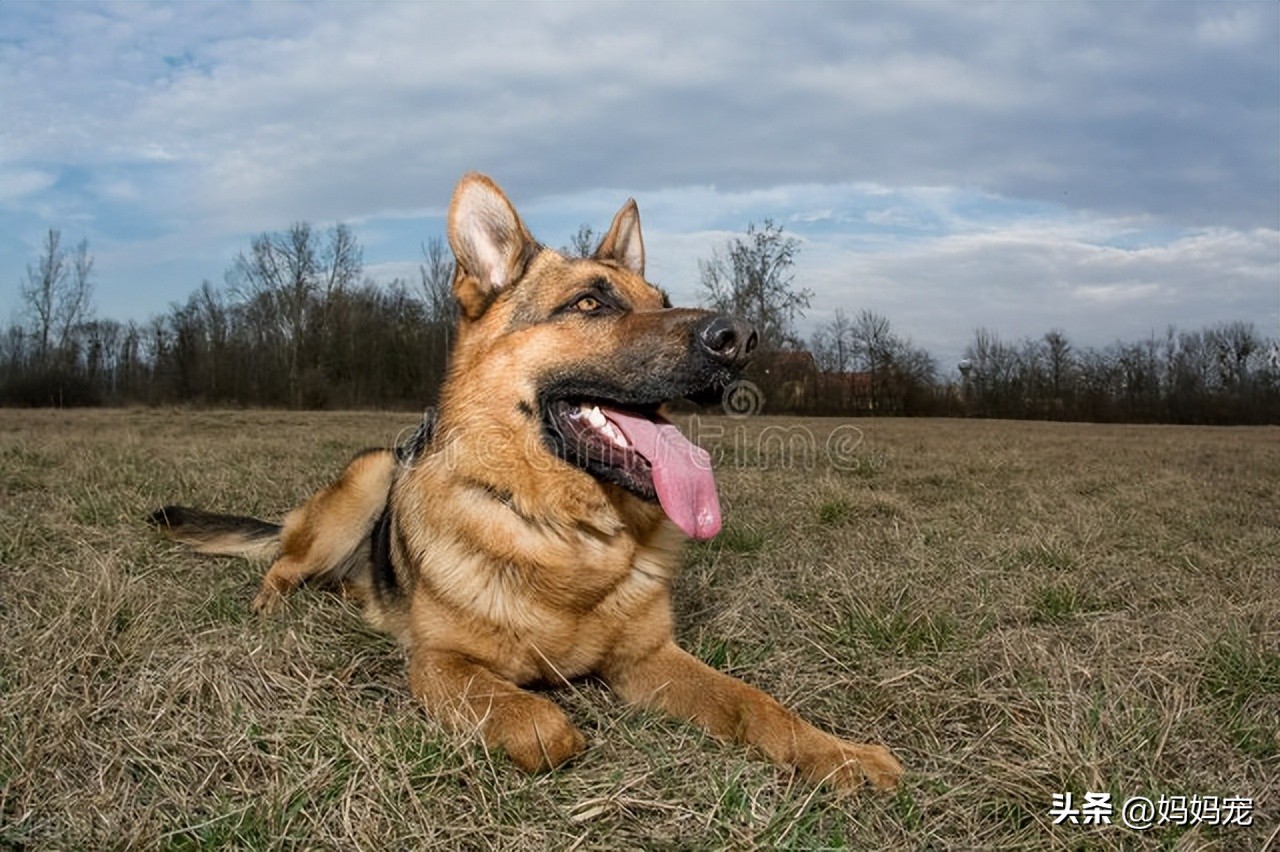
(674, 681)
(322, 539)
(317, 558)
(284, 575)
(466, 696)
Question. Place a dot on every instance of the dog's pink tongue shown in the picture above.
(681, 473)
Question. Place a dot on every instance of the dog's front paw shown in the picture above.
(850, 765)
(268, 601)
(535, 734)
(880, 767)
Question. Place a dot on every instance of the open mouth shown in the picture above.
(638, 449)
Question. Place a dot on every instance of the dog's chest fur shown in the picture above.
(535, 601)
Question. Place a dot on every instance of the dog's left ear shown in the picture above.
(623, 243)
(489, 241)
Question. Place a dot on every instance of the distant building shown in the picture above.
(792, 381)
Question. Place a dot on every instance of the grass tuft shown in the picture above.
(897, 630)
(736, 538)
(834, 512)
(1057, 603)
(1242, 681)
(1238, 668)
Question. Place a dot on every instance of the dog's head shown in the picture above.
(578, 355)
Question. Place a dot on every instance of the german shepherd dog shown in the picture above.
(530, 535)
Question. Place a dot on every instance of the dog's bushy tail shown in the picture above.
(224, 535)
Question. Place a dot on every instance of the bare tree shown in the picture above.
(582, 243)
(41, 288)
(916, 363)
(297, 276)
(752, 278)
(436, 282)
(867, 365)
(341, 262)
(832, 344)
(898, 368)
(1233, 343)
(874, 343)
(994, 365)
(57, 293)
(75, 299)
(1060, 363)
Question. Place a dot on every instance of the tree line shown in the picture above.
(1223, 373)
(298, 324)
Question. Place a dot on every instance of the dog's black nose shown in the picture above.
(728, 339)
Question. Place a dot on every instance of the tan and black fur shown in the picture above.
(503, 551)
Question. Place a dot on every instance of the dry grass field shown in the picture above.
(1017, 609)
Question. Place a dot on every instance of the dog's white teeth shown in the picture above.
(614, 434)
(606, 427)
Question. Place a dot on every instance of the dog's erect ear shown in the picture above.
(623, 243)
(490, 243)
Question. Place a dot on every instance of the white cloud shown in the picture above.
(1100, 168)
(1025, 281)
(281, 112)
(388, 271)
(878, 84)
(1232, 25)
(811, 216)
(19, 183)
(1118, 293)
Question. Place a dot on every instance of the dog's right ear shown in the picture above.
(490, 243)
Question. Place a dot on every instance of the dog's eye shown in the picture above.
(587, 304)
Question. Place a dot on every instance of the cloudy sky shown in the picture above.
(1105, 169)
